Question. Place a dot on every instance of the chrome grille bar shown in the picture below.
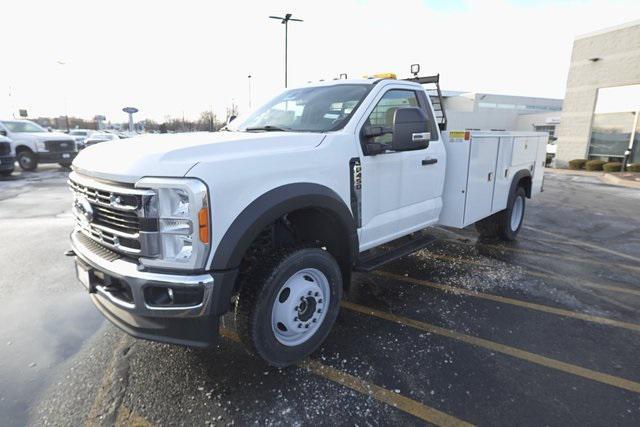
(115, 218)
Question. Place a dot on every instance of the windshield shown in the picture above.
(314, 109)
(23, 127)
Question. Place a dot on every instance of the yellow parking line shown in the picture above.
(500, 348)
(380, 394)
(562, 256)
(511, 301)
(545, 275)
(128, 418)
(585, 244)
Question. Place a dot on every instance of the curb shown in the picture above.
(608, 178)
(612, 179)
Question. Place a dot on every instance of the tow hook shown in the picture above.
(70, 252)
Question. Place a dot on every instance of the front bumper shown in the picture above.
(56, 157)
(122, 293)
(7, 163)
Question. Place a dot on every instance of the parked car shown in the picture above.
(269, 218)
(98, 137)
(32, 144)
(80, 135)
(7, 157)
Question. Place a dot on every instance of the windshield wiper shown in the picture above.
(267, 128)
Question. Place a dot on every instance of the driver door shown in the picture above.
(401, 191)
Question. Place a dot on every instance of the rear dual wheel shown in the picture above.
(505, 224)
(288, 304)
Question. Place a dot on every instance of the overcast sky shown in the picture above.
(183, 57)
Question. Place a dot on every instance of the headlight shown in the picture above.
(181, 207)
(41, 146)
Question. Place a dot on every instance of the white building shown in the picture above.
(484, 111)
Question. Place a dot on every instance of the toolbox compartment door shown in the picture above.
(481, 179)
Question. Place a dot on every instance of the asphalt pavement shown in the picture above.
(543, 331)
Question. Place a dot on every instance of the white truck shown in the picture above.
(32, 144)
(270, 216)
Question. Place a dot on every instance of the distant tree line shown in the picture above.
(208, 121)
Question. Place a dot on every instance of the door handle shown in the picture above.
(429, 162)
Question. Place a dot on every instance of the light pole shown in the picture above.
(285, 21)
(249, 78)
(66, 100)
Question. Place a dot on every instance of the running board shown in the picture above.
(377, 257)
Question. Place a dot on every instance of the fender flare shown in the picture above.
(523, 173)
(270, 206)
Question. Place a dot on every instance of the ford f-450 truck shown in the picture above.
(269, 217)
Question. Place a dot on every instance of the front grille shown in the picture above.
(5, 148)
(115, 218)
(60, 146)
(94, 247)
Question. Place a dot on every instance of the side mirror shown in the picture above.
(375, 131)
(375, 148)
(410, 129)
(231, 118)
(3, 132)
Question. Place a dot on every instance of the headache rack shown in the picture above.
(435, 94)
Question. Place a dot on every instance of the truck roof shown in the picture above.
(362, 81)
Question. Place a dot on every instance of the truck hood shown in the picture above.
(42, 136)
(172, 155)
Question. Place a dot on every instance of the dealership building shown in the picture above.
(602, 101)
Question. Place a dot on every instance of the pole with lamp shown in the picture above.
(285, 21)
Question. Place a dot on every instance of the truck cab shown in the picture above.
(32, 144)
(269, 217)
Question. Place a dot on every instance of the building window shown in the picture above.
(614, 122)
(550, 129)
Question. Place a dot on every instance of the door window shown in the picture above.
(382, 114)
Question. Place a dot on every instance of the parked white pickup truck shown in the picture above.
(32, 144)
(270, 216)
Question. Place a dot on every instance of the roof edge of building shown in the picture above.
(609, 29)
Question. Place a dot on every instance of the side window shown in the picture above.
(382, 114)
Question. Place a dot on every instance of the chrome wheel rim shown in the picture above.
(25, 161)
(300, 307)
(516, 213)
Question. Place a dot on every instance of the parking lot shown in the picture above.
(545, 331)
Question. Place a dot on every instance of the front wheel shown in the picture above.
(27, 160)
(507, 223)
(288, 305)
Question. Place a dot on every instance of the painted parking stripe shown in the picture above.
(585, 244)
(367, 388)
(519, 303)
(544, 275)
(560, 256)
(499, 348)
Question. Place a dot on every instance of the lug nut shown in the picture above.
(299, 325)
(295, 319)
(320, 301)
(295, 309)
(314, 320)
(306, 326)
(309, 293)
(319, 311)
(316, 294)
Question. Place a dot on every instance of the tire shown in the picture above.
(272, 290)
(65, 165)
(6, 174)
(505, 224)
(27, 160)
